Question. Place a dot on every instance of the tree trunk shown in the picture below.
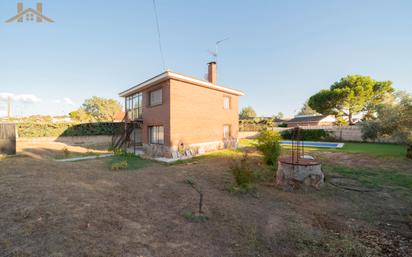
(409, 151)
(350, 119)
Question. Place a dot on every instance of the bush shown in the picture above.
(242, 172)
(370, 130)
(308, 134)
(120, 165)
(66, 129)
(66, 151)
(268, 142)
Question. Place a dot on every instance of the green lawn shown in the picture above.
(227, 153)
(384, 150)
(133, 162)
(375, 178)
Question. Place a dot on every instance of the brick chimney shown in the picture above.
(39, 9)
(211, 75)
(20, 10)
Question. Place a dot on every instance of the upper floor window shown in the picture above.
(226, 102)
(134, 106)
(156, 97)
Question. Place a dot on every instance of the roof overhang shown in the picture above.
(172, 75)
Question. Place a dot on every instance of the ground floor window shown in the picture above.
(156, 135)
(226, 131)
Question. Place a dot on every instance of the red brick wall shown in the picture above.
(197, 114)
(156, 115)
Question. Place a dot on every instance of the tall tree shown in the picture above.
(392, 119)
(247, 113)
(306, 110)
(278, 116)
(97, 109)
(351, 95)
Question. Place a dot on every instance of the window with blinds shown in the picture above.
(156, 97)
(156, 135)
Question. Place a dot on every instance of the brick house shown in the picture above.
(312, 120)
(178, 113)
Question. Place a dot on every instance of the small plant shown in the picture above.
(195, 217)
(242, 172)
(199, 216)
(268, 142)
(120, 165)
(118, 151)
(244, 176)
(66, 151)
(197, 189)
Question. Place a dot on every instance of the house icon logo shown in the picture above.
(29, 14)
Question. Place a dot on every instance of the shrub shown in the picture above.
(308, 134)
(370, 130)
(66, 129)
(120, 165)
(268, 142)
(242, 172)
(66, 151)
(195, 217)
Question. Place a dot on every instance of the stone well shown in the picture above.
(294, 173)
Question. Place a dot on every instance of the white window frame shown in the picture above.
(159, 137)
(227, 102)
(152, 94)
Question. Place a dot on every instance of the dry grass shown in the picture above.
(85, 209)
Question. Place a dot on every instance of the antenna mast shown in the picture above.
(9, 107)
(215, 54)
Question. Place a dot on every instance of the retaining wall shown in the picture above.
(8, 136)
(85, 140)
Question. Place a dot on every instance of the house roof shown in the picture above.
(173, 75)
(29, 10)
(314, 118)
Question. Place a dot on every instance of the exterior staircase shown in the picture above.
(123, 137)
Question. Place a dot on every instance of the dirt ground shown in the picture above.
(56, 150)
(50, 208)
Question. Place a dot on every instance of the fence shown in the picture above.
(8, 138)
(339, 133)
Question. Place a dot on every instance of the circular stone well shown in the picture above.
(292, 174)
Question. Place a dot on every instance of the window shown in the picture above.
(156, 135)
(226, 102)
(226, 131)
(156, 97)
(137, 106)
(134, 106)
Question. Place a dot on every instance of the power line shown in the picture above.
(158, 34)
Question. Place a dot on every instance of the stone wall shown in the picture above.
(340, 133)
(8, 136)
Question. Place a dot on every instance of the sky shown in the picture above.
(278, 52)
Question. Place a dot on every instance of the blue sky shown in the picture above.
(279, 52)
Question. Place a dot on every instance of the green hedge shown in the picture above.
(66, 129)
(308, 135)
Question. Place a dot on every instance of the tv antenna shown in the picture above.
(215, 53)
